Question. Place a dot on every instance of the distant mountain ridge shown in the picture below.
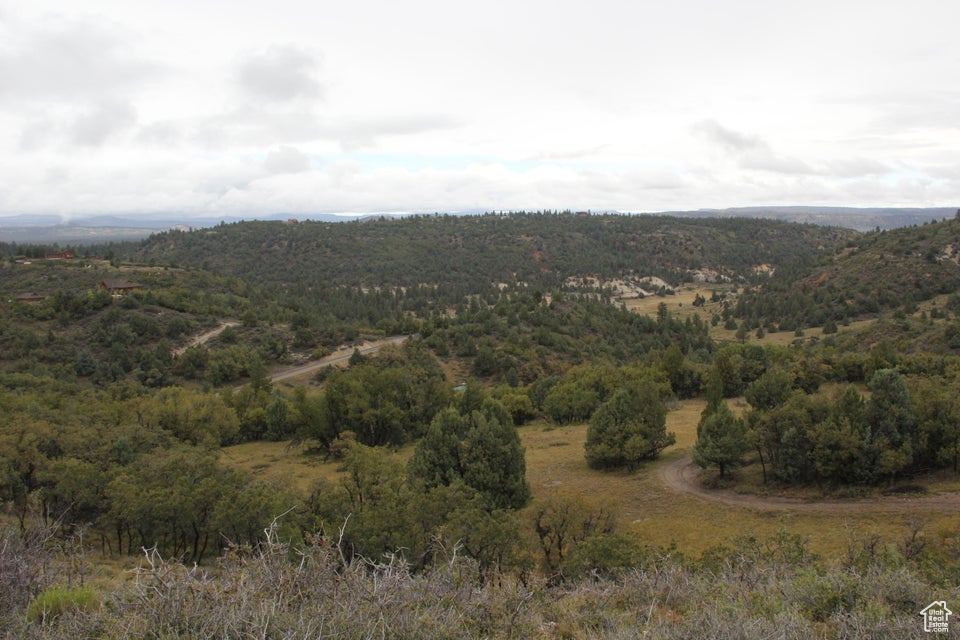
(47, 229)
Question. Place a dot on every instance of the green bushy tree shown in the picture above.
(721, 440)
(481, 449)
(628, 428)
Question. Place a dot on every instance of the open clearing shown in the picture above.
(683, 476)
(680, 305)
(692, 521)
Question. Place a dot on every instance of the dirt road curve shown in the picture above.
(341, 355)
(683, 476)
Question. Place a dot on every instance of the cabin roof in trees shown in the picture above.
(119, 284)
(61, 255)
(30, 296)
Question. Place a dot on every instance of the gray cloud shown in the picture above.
(68, 59)
(767, 160)
(280, 74)
(856, 167)
(94, 127)
(164, 133)
(728, 139)
(35, 134)
(750, 151)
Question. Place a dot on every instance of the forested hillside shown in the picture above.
(876, 272)
(467, 250)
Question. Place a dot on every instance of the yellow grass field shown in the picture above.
(279, 463)
(662, 517)
(681, 305)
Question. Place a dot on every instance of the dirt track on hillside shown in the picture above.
(683, 476)
(341, 355)
(205, 337)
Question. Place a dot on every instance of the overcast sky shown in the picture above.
(251, 108)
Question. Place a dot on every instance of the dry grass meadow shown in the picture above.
(681, 305)
(663, 517)
(645, 506)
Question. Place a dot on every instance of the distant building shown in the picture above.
(30, 296)
(118, 286)
(61, 255)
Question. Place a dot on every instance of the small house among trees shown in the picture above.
(119, 286)
(30, 296)
(61, 255)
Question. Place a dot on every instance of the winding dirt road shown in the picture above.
(682, 476)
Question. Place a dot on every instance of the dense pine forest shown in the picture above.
(820, 362)
(465, 250)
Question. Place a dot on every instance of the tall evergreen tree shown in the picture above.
(893, 423)
(721, 440)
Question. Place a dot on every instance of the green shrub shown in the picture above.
(54, 601)
(822, 596)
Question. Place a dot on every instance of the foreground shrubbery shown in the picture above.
(769, 588)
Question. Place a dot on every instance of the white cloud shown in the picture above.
(564, 155)
(354, 133)
(286, 160)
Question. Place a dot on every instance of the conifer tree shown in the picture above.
(481, 449)
(628, 428)
(721, 439)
